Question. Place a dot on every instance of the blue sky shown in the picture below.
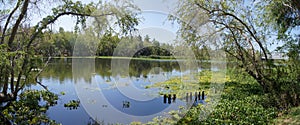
(154, 23)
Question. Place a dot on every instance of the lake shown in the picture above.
(110, 92)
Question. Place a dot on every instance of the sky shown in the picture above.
(154, 19)
(154, 22)
(154, 14)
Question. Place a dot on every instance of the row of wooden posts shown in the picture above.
(197, 96)
(169, 98)
(189, 97)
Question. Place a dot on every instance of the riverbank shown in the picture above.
(121, 57)
(242, 102)
(156, 58)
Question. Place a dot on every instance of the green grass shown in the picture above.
(242, 102)
(179, 87)
(292, 117)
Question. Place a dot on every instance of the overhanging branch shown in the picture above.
(39, 30)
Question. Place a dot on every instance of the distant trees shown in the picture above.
(56, 44)
(61, 43)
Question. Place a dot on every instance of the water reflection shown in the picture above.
(62, 68)
(97, 81)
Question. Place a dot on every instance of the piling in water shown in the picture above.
(169, 98)
(165, 98)
(187, 97)
(174, 97)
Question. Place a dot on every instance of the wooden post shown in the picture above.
(203, 95)
(187, 97)
(165, 98)
(174, 97)
(169, 98)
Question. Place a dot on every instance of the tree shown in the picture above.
(156, 47)
(18, 41)
(282, 15)
(244, 34)
(107, 44)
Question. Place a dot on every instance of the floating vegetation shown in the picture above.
(181, 85)
(73, 104)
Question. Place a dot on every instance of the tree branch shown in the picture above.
(239, 20)
(38, 31)
(16, 26)
(39, 73)
(8, 20)
(251, 33)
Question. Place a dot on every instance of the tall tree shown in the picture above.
(244, 33)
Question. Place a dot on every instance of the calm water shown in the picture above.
(111, 92)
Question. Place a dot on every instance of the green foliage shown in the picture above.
(128, 23)
(282, 15)
(292, 117)
(246, 28)
(62, 93)
(73, 104)
(21, 46)
(243, 102)
(56, 44)
(61, 44)
(30, 108)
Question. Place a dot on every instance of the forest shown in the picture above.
(61, 44)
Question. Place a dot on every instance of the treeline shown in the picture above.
(61, 44)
